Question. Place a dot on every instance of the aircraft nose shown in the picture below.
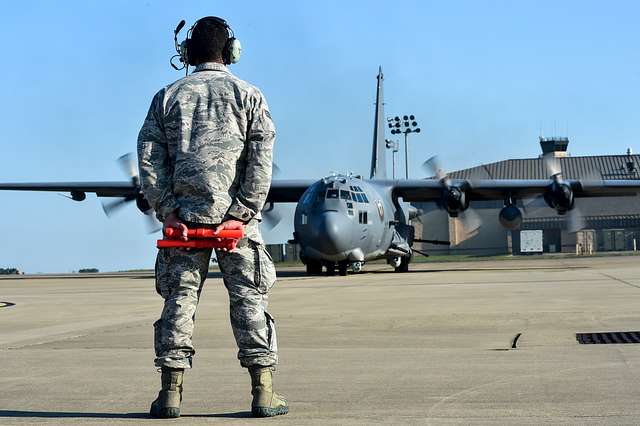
(331, 232)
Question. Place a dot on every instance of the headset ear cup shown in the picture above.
(190, 52)
(184, 52)
(233, 51)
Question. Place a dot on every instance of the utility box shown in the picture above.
(531, 241)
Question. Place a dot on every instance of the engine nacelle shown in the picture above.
(454, 201)
(510, 217)
(559, 196)
(78, 196)
(142, 204)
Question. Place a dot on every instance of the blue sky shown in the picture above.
(482, 77)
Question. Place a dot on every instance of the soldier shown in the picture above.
(205, 154)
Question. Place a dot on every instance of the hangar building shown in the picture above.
(607, 224)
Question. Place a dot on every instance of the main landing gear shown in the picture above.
(314, 267)
(400, 264)
(340, 268)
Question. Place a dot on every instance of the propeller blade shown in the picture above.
(275, 170)
(575, 220)
(471, 221)
(128, 164)
(552, 165)
(113, 206)
(271, 218)
(153, 224)
(433, 167)
(532, 204)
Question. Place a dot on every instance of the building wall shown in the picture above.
(284, 252)
(493, 239)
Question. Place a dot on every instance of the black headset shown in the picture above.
(230, 52)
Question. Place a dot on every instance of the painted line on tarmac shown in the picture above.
(6, 304)
(620, 280)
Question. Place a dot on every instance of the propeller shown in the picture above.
(271, 216)
(560, 195)
(127, 163)
(454, 197)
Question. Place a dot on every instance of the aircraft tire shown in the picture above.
(331, 269)
(342, 268)
(314, 268)
(404, 264)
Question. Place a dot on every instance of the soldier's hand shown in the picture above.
(173, 221)
(230, 224)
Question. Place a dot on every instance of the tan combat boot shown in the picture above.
(266, 403)
(167, 404)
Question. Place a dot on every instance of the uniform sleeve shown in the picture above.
(256, 180)
(156, 170)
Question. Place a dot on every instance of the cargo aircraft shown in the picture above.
(344, 220)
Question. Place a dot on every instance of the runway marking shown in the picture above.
(6, 304)
(620, 280)
(474, 389)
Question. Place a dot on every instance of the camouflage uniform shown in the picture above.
(205, 149)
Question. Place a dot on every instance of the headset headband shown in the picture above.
(215, 19)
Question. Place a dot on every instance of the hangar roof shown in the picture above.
(599, 166)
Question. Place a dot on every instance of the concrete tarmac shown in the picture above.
(432, 346)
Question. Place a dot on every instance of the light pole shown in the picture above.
(394, 146)
(407, 125)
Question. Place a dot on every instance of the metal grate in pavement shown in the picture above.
(609, 337)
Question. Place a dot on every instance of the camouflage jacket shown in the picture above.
(206, 147)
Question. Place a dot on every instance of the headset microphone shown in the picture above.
(179, 27)
(180, 48)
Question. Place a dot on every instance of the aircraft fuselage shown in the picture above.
(344, 219)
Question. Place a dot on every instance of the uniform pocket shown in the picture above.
(159, 270)
(265, 271)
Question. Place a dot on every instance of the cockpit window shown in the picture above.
(332, 193)
(364, 198)
(345, 195)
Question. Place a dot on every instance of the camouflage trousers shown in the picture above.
(248, 274)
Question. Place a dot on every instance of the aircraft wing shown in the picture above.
(282, 191)
(288, 191)
(488, 189)
(101, 189)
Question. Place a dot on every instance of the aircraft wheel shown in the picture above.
(314, 268)
(331, 269)
(342, 268)
(404, 264)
